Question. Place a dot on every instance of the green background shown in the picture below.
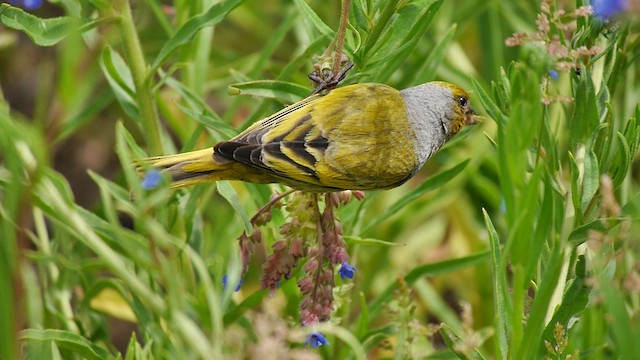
(519, 239)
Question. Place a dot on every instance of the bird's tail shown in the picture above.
(189, 168)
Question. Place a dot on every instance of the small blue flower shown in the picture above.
(605, 9)
(27, 4)
(315, 339)
(225, 280)
(553, 74)
(347, 271)
(152, 179)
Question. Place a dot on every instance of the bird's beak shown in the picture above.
(472, 118)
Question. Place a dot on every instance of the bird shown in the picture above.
(367, 136)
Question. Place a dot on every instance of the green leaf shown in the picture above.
(280, 90)
(581, 234)
(120, 79)
(368, 241)
(585, 115)
(430, 184)
(574, 302)
(591, 178)
(227, 192)
(625, 332)
(43, 32)
(213, 16)
(420, 15)
(362, 326)
(488, 104)
(499, 288)
(390, 8)
(624, 161)
(427, 71)
(452, 339)
(532, 338)
(632, 207)
(311, 15)
(249, 303)
(216, 124)
(575, 188)
(68, 340)
(434, 269)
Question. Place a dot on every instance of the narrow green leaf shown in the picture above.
(426, 11)
(624, 161)
(275, 40)
(575, 188)
(626, 334)
(273, 89)
(120, 79)
(368, 241)
(499, 293)
(213, 16)
(86, 115)
(434, 269)
(68, 340)
(427, 71)
(574, 302)
(225, 189)
(250, 302)
(452, 340)
(380, 25)
(311, 15)
(43, 32)
(585, 116)
(430, 184)
(581, 234)
(590, 179)
(632, 207)
(226, 130)
(532, 338)
(362, 326)
(488, 104)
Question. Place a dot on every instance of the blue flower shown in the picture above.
(605, 9)
(553, 74)
(151, 179)
(315, 339)
(27, 4)
(347, 271)
(225, 280)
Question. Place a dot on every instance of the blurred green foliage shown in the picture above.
(518, 240)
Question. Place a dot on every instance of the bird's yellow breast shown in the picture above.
(371, 142)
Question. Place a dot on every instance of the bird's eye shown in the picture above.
(462, 101)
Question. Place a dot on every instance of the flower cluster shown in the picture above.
(555, 46)
(247, 247)
(297, 234)
(311, 232)
(318, 281)
(555, 28)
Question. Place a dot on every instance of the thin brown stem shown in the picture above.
(270, 204)
(320, 235)
(341, 34)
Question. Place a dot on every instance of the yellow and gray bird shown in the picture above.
(356, 137)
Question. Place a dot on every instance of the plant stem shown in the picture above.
(139, 69)
(340, 35)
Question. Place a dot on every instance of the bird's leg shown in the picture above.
(330, 82)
